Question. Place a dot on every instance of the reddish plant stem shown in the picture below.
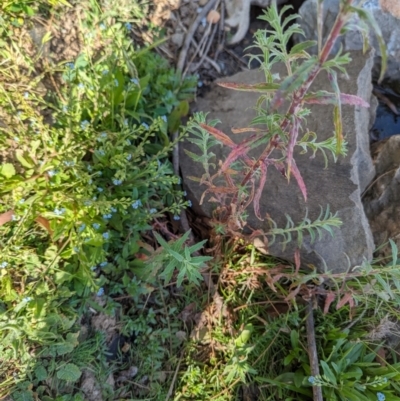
(302, 91)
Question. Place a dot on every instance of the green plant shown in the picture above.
(239, 180)
(177, 256)
(349, 371)
(85, 171)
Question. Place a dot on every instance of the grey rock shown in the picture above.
(338, 186)
(352, 40)
(382, 200)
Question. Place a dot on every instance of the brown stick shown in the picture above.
(312, 349)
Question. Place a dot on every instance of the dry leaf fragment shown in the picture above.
(347, 298)
(42, 221)
(330, 297)
(6, 217)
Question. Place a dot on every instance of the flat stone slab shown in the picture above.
(338, 186)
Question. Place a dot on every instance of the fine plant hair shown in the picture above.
(239, 180)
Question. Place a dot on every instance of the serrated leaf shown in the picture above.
(7, 170)
(69, 372)
(24, 395)
(41, 373)
(65, 348)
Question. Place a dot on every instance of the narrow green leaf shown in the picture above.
(367, 16)
(300, 47)
(328, 372)
(259, 88)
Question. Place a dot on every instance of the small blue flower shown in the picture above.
(136, 203)
(81, 86)
(184, 193)
(135, 81)
(93, 268)
(129, 157)
(100, 189)
(3, 265)
(100, 292)
(69, 163)
(200, 84)
(52, 173)
(128, 142)
(385, 380)
(176, 217)
(90, 181)
(64, 108)
(105, 72)
(116, 83)
(84, 124)
(311, 379)
(16, 139)
(81, 227)
(116, 181)
(102, 26)
(27, 299)
(99, 173)
(71, 66)
(59, 212)
(106, 235)
(94, 198)
(26, 95)
(381, 396)
(126, 122)
(102, 136)
(107, 216)
(113, 209)
(179, 181)
(96, 226)
(76, 249)
(146, 126)
(164, 118)
(128, 26)
(21, 201)
(158, 163)
(103, 264)
(89, 168)
(101, 152)
(189, 203)
(87, 203)
(152, 211)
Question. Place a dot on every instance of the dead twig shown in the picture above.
(231, 53)
(203, 52)
(171, 387)
(386, 100)
(312, 349)
(376, 180)
(191, 32)
(221, 33)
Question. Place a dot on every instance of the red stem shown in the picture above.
(302, 91)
